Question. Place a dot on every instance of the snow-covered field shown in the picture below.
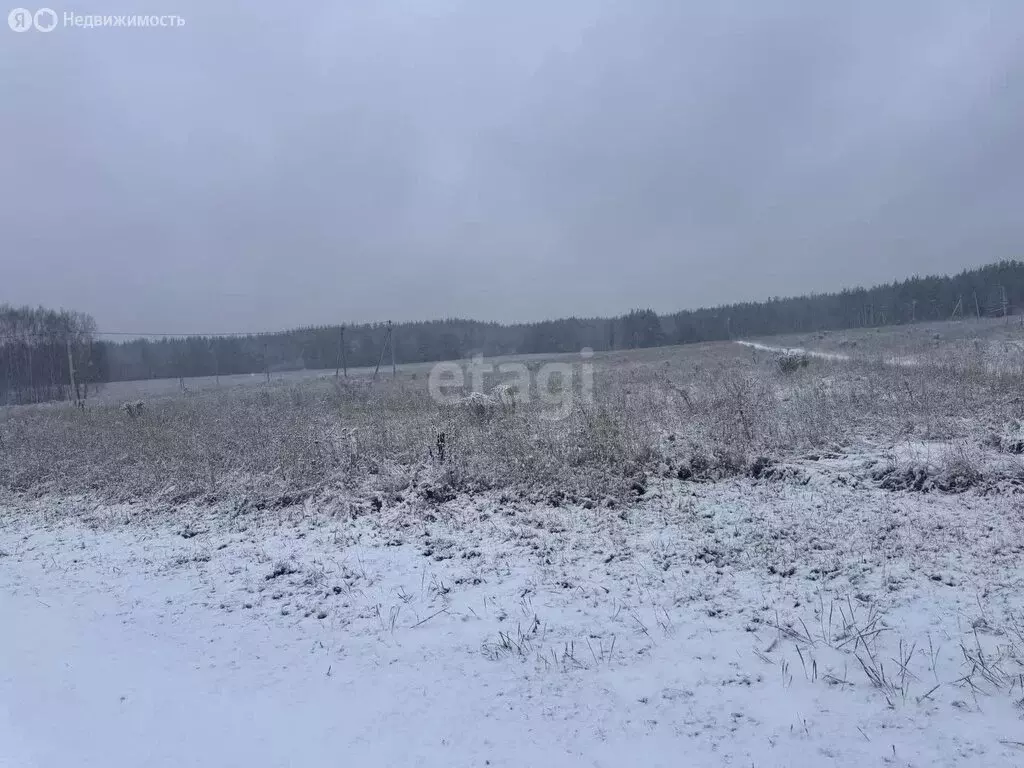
(837, 579)
(732, 623)
(996, 343)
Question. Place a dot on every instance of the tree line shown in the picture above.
(32, 369)
(48, 355)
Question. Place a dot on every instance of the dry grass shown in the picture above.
(848, 636)
(717, 414)
(280, 444)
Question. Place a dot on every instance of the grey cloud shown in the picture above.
(271, 165)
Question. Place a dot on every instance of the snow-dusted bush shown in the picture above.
(480, 406)
(134, 408)
(1011, 438)
(792, 360)
(508, 396)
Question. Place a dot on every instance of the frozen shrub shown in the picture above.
(508, 396)
(960, 469)
(134, 408)
(480, 406)
(791, 361)
(1011, 440)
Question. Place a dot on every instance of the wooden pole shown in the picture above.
(90, 366)
(71, 366)
(9, 392)
(383, 349)
(341, 354)
(391, 342)
(344, 353)
(977, 308)
(266, 362)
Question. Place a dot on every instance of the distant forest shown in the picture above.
(40, 348)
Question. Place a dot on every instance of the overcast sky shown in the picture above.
(269, 165)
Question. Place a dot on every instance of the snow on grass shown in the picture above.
(739, 622)
(818, 354)
(793, 351)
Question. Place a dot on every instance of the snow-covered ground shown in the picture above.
(793, 351)
(804, 620)
(994, 344)
(903, 360)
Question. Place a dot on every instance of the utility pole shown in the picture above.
(391, 339)
(341, 354)
(977, 308)
(31, 377)
(383, 349)
(266, 362)
(73, 391)
(1003, 301)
